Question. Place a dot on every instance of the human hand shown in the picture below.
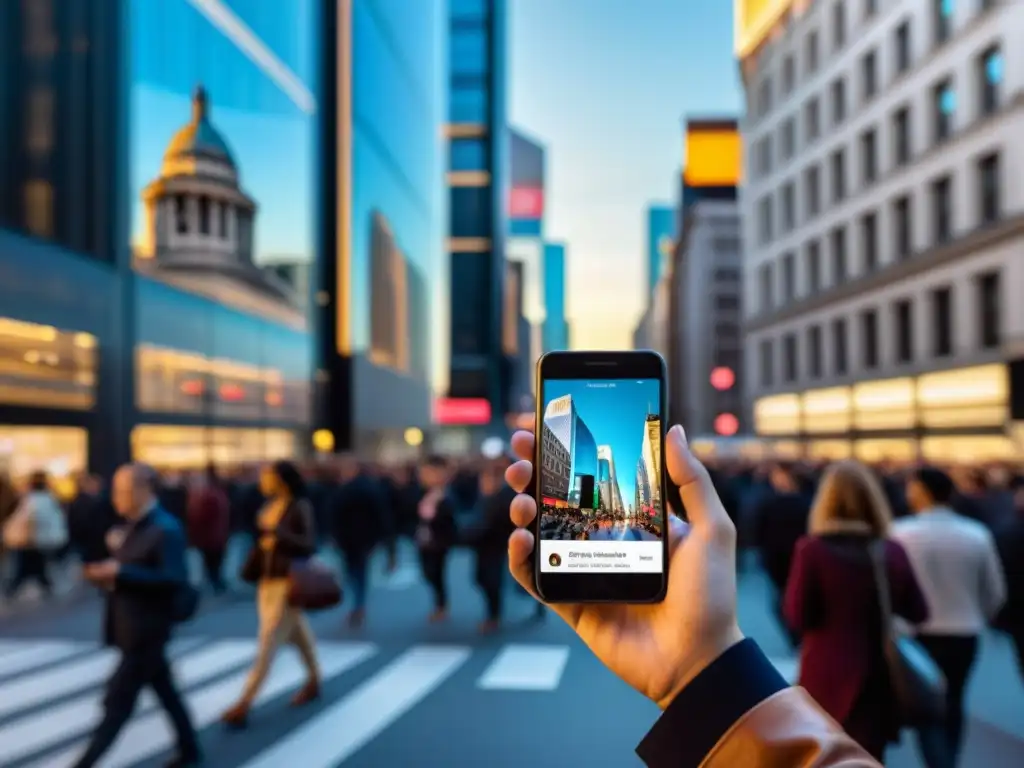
(103, 573)
(658, 649)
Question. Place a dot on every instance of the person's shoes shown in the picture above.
(308, 693)
(237, 717)
(489, 627)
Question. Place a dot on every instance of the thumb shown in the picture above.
(704, 509)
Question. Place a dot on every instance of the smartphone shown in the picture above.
(599, 478)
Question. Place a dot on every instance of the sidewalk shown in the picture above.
(995, 733)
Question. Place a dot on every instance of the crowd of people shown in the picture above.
(842, 544)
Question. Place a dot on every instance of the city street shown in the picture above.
(400, 692)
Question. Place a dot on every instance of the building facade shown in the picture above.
(381, 222)
(661, 235)
(477, 185)
(555, 329)
(884, 222)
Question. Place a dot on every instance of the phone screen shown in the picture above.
(599, 488)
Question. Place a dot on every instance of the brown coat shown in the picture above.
(294, 539)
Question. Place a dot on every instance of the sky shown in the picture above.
(605, 85)
(614, 412)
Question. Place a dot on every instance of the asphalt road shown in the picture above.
(399, 692)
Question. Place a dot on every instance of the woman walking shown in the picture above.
(285, 535)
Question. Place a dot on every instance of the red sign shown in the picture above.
(462, 411)
(526, 203)
(722, 379)
(726, 424)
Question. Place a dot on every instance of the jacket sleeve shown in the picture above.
(300, 542)
(740, 712)
(172, 571)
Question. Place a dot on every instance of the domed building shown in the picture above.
(199, 230)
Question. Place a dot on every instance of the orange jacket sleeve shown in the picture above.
(740, 712)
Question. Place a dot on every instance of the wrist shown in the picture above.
(701, 660)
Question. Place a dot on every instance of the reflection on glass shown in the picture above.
(169, 447)
(389, 298)
(43, 367)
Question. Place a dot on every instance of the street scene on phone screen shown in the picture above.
(600, 475)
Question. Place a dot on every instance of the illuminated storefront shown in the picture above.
(947, 416)
(172, 447)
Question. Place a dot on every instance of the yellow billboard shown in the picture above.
(753, 21)
(714, 157)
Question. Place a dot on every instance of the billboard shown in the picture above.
(526, 198)
(714, 154)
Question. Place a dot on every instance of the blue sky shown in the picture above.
(605, 85)
(615, 416)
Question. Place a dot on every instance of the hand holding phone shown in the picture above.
(660, 647)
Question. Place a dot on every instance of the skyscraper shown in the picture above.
(477, 159)
(561, 480)
(661, 232)
(609, 480)
(555, 331)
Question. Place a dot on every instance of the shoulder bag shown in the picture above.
(918, 685)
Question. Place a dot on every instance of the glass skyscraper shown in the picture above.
(661, 231)
(555, 330)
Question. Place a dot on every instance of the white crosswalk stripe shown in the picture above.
(51, 695)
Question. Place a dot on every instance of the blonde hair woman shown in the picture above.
(832, 600)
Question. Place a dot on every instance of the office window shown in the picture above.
(727, 303)
(989, 311)
(838, 96)
(723, 275)
(788, 277)
(39, 123)
(840, 264)
(468, 51)
(180, 214)
(788, 207)
(990, 80)
(869, 339)
(870, 8)
(839, 348)
(869, 75)
(767, 278)
(790, 362)
(869, 241)
(869, 156)
(39, 208)
(812, 119)
(467, 155)
(470, 212)
(812, 190)
(838, 25)
(470, 275)
(903, 319)
(811, 52)
(901, 136)
(943, 110)
(766, 215)
(468, 104)
(815, 351)
(204, 215)
(902, 43)
(989, 203)
(942, 210)
(942, 322)
(942, 16)
(903, 228)
(765, 155)
(766, 353)
(838, 165)
(475, 10)
(764, 97)
(813, 257)
(788, 74)
(788, 139)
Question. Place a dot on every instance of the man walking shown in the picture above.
(145, 581)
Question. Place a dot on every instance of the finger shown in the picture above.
(677, 530)
(520, 560)
(519, 475)
(522, 444)
(703, 507)
(527, 422)
(522, 510)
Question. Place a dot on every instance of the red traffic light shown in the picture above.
(726, 424)
(722, 378)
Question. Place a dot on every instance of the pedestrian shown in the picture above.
(34, 533)
(208, 517)
(286, 534)
(957, 565)
(146, 582)
(488, 536)
(436, 530)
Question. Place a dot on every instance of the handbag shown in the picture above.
(918, 685)
(312, 586)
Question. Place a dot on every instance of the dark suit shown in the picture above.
(153, 571)
(832, 600)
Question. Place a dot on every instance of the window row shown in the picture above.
(942, 116)
(858, 248)
(828, 349)
(811, 56)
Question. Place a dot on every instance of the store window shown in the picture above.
(61, 452)
(169, 447)
(44, 367)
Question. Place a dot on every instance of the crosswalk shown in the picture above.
(51, 691)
